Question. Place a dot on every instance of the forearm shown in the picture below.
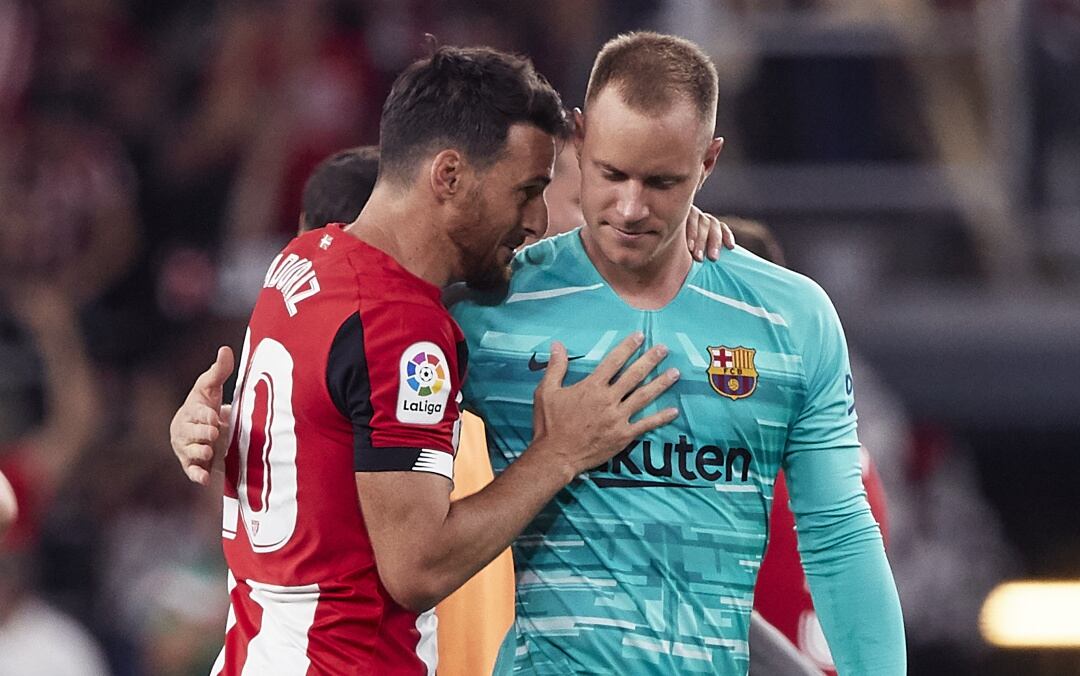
(423, 559)
(844, 559)
(71, 396)
(481, 526)
(854, 593)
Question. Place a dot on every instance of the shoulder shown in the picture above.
(546, 251)
(748, 277)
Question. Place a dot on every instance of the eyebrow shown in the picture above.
(662, 177)
(539, 180)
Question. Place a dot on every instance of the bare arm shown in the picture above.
(426, 547)
(71, 396)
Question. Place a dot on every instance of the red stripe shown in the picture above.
(248, 623)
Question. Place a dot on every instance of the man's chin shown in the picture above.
(491, 281)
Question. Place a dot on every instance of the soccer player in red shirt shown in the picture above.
(349, 381)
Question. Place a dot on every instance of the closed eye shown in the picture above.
(663, 182)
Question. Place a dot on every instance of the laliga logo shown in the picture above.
(426, 376)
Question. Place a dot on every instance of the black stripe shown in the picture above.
(389, 459)
(462, 361)
(349, 384)
(639, 483)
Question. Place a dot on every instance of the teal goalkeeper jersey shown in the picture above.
(647, 564)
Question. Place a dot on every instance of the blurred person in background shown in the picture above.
(38, 458)
(38, 454)
(60, 168)
(35, 636)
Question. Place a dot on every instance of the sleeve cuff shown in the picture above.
(404, 460)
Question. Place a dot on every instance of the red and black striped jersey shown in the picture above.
(350, 364)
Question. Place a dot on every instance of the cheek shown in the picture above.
(673, 207)
(596, 198)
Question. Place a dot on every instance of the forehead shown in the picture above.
(615, 132)
(529, 152)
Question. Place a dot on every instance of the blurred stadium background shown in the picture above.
(919, 158)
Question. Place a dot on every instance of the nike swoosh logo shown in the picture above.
(537, 365)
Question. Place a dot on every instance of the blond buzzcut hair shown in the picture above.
(652, 71)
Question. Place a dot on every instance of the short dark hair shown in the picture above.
(339, 187)
(651, 70)
(464, 98)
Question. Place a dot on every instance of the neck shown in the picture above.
(649, 287)
(405, 229)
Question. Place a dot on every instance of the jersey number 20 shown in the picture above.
(264, 471)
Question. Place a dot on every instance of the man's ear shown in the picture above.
(709, 159)
(447, 175)
(579, 131)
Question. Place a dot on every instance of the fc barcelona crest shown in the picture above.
(731, 371)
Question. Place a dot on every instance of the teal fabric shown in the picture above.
(646, 565)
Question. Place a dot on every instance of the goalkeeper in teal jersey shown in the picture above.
(646, 565)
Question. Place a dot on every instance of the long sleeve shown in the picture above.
(839, 542)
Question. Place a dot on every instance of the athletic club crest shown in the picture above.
(731, 371)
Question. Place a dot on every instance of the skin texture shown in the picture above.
(507, 205)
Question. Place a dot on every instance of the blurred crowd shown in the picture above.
(152, 157)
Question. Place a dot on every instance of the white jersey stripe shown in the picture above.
(436, 462)
(550, 293)
(741, 305)
(280, 647)
(427, 648)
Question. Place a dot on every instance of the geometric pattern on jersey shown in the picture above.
(647, 564)
(318, 398)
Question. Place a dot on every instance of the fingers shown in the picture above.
(650, 423)
(198, 454)
(199, 433)
(697, 232)
(719, 233)
(198, 475)
(728, 237)
(607, 369)
(556, 368)
(196, 461)
(644, 395)
(639, 370)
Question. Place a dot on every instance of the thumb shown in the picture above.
(222, 367)
(556, 370)
(211, 382)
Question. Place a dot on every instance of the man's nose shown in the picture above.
(631, 206)
(536, 220)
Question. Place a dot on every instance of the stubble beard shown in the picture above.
(481, 268)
